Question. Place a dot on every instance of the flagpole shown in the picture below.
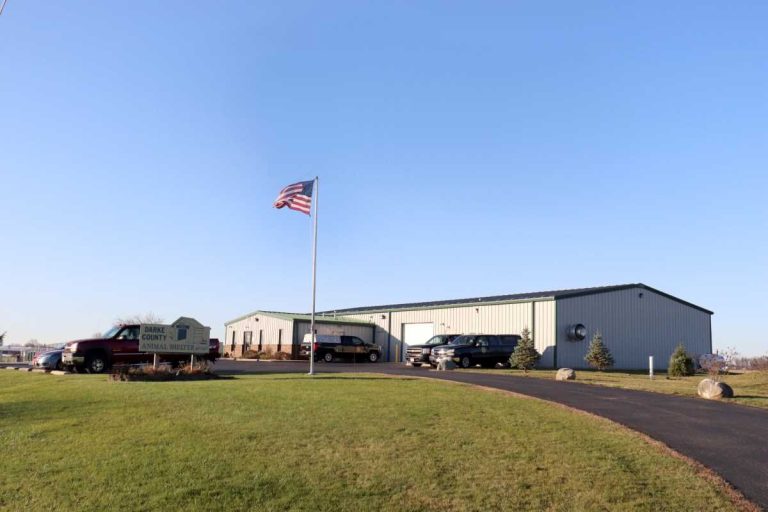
(314, 280)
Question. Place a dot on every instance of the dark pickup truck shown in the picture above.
(329, 347)
(486, 350)
(120, 345)
(419, 354)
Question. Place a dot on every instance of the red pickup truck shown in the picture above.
(120, 345)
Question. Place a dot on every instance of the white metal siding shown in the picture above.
(633, 328)
(364, 332)
(269, 327)
(481, 318)
(544, 332)
(381, 337)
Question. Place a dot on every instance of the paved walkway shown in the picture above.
(730, 439)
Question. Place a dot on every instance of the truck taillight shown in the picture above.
(314, 347)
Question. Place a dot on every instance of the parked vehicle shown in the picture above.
(329, 347)
(486, 350)
(50, 360)
(120, 345)
(419, 354)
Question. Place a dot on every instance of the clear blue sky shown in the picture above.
(464, 149)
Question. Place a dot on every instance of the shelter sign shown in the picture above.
(188, 337)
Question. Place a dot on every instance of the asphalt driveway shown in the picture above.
(730, 439)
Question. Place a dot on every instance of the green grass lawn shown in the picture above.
(750, 388)
(345, 442)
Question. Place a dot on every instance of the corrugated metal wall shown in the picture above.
(633, 328)
(364, 332)
(381, 336)
(544, 332)
(481, 318)
(268, 327)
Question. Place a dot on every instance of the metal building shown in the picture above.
(270, 331)
(636, 321)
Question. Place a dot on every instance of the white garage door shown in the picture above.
(416, 334)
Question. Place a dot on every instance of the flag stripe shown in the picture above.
(297, 196)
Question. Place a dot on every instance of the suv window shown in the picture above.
(463, 340)
(508, 340)
(129, 333)
(482, 341)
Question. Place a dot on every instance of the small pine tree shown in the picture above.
(598, 356)
(680, 363)
(525, 355)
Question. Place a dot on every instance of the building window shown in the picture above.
(232, 348)
(279, 339)
(261, 339)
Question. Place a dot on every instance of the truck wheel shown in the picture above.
(373, 357)
(466, 362)
(96, 363)
(328, 357)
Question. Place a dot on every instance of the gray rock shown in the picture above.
(712, 390)
(565, 374)
(445, 363)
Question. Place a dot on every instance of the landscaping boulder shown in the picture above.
(713, 390)
(565, 374)
(445, 363)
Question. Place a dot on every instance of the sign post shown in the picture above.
(650, 367)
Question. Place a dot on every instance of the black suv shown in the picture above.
(483, 349)
(419, 354)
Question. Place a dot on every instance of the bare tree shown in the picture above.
(718, 363)
(32, 343)
(147, 318)
(2, 337)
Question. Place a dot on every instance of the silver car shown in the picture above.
(50, 360)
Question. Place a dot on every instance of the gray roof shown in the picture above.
(552, 294)
(319, 318)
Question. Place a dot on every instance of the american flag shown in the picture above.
(296, 197)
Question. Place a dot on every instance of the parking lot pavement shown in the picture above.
(728, 438)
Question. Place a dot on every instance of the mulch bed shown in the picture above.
(161, 377)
